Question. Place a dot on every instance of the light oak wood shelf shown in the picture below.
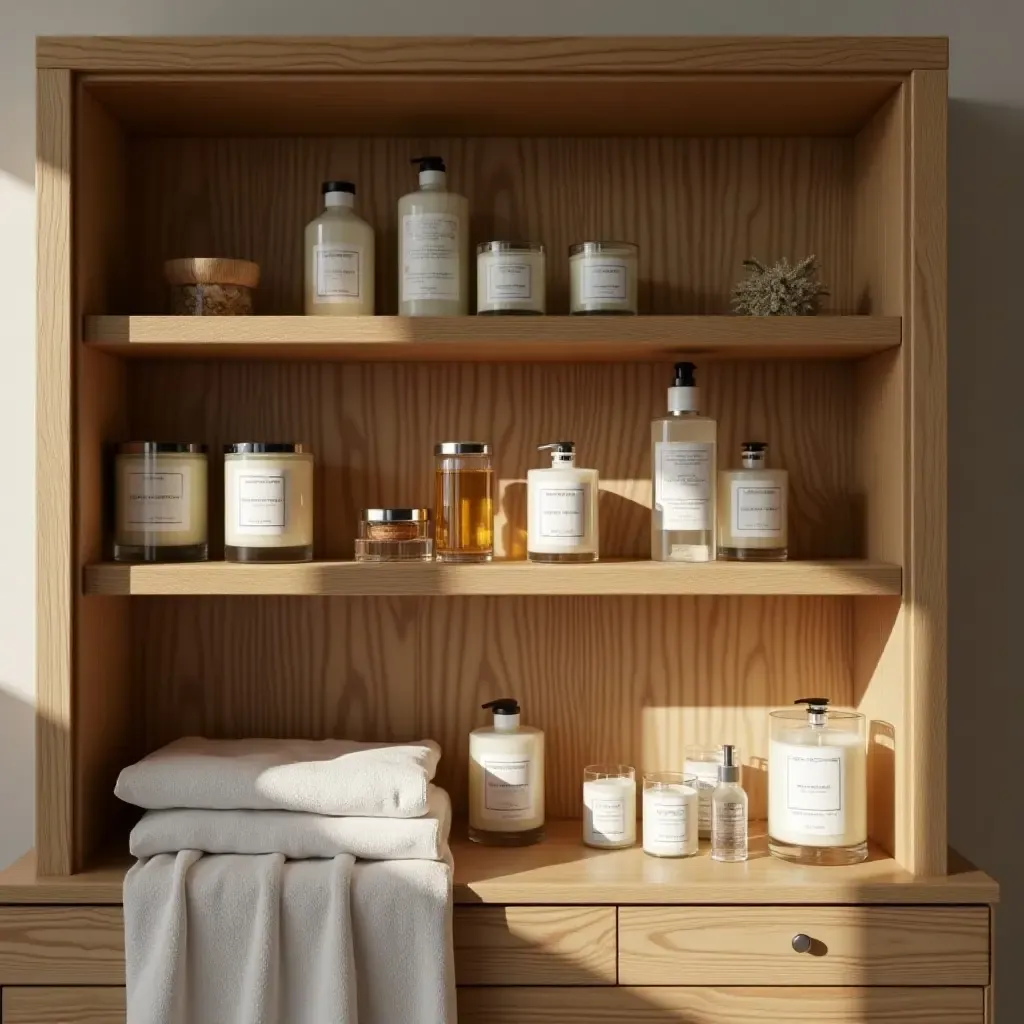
(843, 578)
(493, 339)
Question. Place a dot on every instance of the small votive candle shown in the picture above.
(603, 278)
(609, 806)
(670, 814)
(510, 279)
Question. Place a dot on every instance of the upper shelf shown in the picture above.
(493, 339)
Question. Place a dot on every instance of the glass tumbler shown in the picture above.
(463, 502)
(609, 806)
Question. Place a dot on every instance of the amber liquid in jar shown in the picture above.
(464, 515)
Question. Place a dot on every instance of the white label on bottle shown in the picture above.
(683, 473)
(665, 821)
(814, 791)
(707, 779)
(158, 502)
(430, 256)
(605, 278)
(729, 821)
(262, 508)
(339, 272)
(756, 508)
(562, 510)
(507, 788)
(509, 281)
(608, 819)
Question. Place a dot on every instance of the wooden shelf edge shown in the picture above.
(850, 578)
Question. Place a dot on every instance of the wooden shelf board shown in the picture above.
(435, 579)
(493, 339)
(560, 870)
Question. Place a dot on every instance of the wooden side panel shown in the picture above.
(54, 480)
(63, 1005)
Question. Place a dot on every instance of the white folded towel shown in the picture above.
(295, 834)
(340, 777)
(239, 940)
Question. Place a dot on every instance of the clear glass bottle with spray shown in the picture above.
(729, 811)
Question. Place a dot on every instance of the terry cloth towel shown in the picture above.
(402, 923)
(239, 940)
(372, 780)
(297, 835)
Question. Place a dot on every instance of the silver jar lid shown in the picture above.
(509, 247)
(604, 248)
(396, 515)
(264, 448)
(160, 448)
(462, 448)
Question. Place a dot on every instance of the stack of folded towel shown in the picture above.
(289, 882)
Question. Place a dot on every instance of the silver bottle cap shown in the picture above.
(728, 770)
(462, 448)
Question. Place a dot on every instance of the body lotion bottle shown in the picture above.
(561, 509)
(339, 257)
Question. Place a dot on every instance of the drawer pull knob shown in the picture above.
(802, 943)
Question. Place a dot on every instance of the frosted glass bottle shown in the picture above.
(683, 471)
(339, 257)
(753, 508)
(433, 246)
(561, 509)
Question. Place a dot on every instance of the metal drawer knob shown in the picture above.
(801, 942)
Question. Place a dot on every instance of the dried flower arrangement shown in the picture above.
(780, 290)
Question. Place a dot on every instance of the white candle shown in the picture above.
(609, 810)
(703, 763)
(603, 278)
(670, 818)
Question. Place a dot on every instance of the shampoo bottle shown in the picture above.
(339, 257)
(561, 509)
(506, 779)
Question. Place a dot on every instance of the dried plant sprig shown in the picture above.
(779, 290)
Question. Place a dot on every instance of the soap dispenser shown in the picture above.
(506, 779)
(561, 509)
(433, 246)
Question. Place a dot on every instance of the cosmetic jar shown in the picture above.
(510, 279)
(394, 535)
(603, 278)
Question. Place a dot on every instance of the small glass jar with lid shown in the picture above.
(394, 535)
(161, 511)
(463, 502)
(603, 278)
(268, 502)
(510, 279)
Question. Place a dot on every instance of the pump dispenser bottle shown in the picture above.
(339, 257)
(561, 509)
(433, 246)
(729, 811)
(683, 465)
(506, 779)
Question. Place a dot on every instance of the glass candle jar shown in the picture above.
(211, 287)
(160, 502)
(510, 278)
(463, 502)
(603, 278)
(670, 814)
(609, 806)
(702, 762)
(394, 535)
(268, 502)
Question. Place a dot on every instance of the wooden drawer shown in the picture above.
(850, 945)
(61, 946)
(63, 1006)
(721, 1006)
(535, 945)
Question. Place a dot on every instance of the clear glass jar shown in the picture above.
(702, 762)
(161, 502)
(268, 502)
(463, 502)
(394, 535)
(609, 806)
(510, 279)
(603, 278)
(670, 814)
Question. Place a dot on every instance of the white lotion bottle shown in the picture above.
(506, 779)
(433, 246)
(339, 257)
(561, 509)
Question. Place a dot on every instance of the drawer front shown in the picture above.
(63, 1006)
(721, 1006)
(849, 945)
(61, 946)
(535, 945)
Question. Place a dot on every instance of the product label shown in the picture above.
(338, 272)
(707, 779)
(729, 822)
(506, 281)
(756, 508)
(604, 279)
(561, 512)
(814, 791)
(665, 822)
(262, 507)
(158, 502)
(683, 475)
(607, 820)
(430, 256)
(507, 786)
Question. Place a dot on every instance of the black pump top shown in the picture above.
(685, 376)
(503, 706)
(428, 163)
(755, 446)
(565, 447)
(814, 703)
(338, 186)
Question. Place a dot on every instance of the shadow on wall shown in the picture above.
(17, 793)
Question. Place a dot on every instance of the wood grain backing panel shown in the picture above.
(697, 207)
(54, 502)
(608, 679)
(926, 560)
(535, 945)
(61, 946)
(740, 1005)
(373, 426)
(617, 55)
(851, 946)
(63, 1005)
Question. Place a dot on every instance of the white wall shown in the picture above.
(986, 335)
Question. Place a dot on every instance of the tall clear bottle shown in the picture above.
(433, 246)
(729, 829)
(683, 464)
(339, 257)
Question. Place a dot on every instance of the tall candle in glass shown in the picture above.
(609, 806)
(463, 502)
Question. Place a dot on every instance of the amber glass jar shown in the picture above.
(463, 502)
